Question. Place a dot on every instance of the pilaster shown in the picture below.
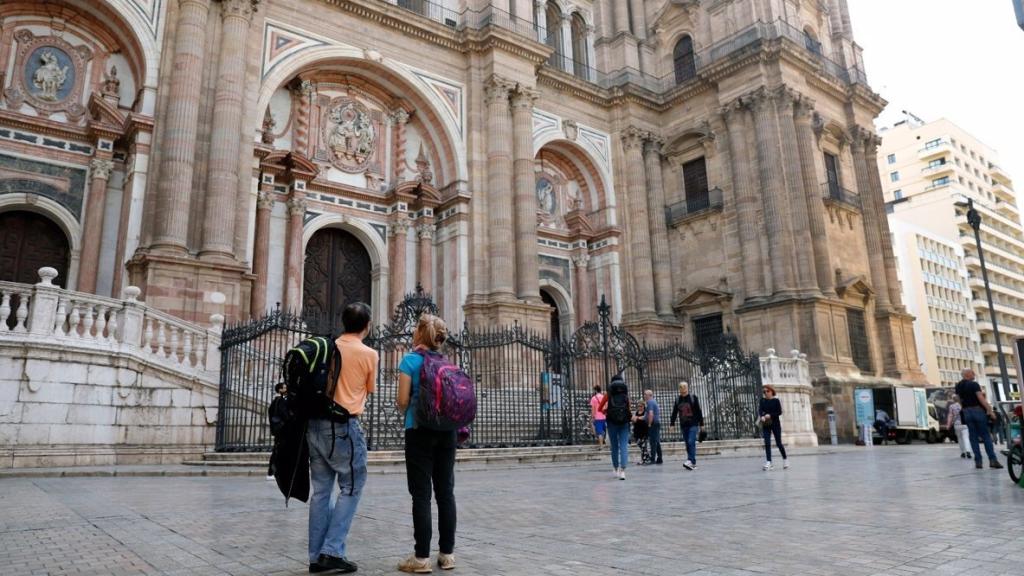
(398, 231)
(815, 206)
(92, 232)
(643, 307)
(261, 250)
(797, 194)
(527, 274)
(293, 262)
(750, 231)
(662, 264)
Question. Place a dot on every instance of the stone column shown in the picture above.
(499, 193)
(744, 187)
(542, 21)
(888, 256)
(815, 206)
(293, 261)
(567, 48)
(261, 249)
(582, 289)
(869, 218)
(174, 192)
(225, 141)
(806, 276)
(92, 231)
(639, 239)
(621, 15)
(639, 18)
(773, 193)
(399, 119)
(658, 229)
(591, 60)
(304, 96)
(425, 261)
(399, 233)
(527, 273)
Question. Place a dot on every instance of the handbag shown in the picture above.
(702, 436)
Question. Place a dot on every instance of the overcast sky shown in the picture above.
(958, 59)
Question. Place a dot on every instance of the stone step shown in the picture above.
(528, 455)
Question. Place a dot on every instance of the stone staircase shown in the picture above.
(385, 461)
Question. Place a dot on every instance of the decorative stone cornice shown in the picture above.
(859, 137)
(101, 168)
(243, 9)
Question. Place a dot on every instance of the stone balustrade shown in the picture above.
(88, 380)
(791, 378)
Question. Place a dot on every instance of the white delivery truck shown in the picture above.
(910, 414)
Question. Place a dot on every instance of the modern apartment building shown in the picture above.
(928, 172)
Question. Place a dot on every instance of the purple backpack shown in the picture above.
(447, 396)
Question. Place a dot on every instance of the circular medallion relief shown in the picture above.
(49, 74)
(349, 134)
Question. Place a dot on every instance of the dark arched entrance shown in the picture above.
(556, 320)
(336, 274)
(29, 241)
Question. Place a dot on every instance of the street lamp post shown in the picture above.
(974, 219)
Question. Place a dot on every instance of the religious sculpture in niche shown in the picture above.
(546, 201)
(349, 134)
(51, 74)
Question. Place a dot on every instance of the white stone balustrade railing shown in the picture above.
(791, 378)
(47, 312)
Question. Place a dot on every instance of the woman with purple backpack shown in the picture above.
(429, 456)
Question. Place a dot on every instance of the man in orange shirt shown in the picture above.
(337, 448)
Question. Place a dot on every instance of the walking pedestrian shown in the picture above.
(653, 417)
(429, 457)
(691, 420)
(954, 422)
(977, 412)
(337, 447)
(597, 418)
(770, 412)
(615, 406)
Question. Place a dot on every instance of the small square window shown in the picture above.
(891, 159)
(898, 194)
(894, 176)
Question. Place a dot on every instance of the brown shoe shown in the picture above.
(415, 565)
(446, 561)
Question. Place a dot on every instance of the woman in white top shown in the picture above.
(953, 421)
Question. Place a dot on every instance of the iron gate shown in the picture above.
(532, 390)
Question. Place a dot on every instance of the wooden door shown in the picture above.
(336, 274)
(29, 241)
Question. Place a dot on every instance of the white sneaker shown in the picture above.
(693, 466)
(622, 474)
(767, 466)
(615, 473)
(689, 465)
(446, 561)
(785, 464)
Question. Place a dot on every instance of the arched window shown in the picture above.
(554, 39)
(811, 41)
(579, 47)
(684, 60)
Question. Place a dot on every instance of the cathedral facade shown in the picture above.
(705, 166)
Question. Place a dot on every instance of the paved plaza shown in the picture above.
(881, 511)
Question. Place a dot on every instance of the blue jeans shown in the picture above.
(618, 437)
(329, 521)
(654, 437)
(690, 437)
(977, 427)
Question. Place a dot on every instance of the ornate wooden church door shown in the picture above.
(336, 274)
(29, 241)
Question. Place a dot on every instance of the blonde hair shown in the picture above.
(431, 332)
(682, 384)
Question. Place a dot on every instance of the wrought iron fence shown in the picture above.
(532, 390)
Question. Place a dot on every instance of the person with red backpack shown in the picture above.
(615, 406)
(438, 400)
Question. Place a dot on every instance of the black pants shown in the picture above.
(774, 429)
(430, 460)
(655, 439)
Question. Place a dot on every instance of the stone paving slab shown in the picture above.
(870, 512)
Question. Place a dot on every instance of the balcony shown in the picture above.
(997, 173)
(1002, 190)
(832, 192)
(937, 185)
(694, 208)
(934, 149)
(937, 170)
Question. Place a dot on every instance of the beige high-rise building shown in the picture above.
(929, 171)
(703, 165)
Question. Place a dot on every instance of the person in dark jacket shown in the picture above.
(691, 419)
(278, 415)
(976, 414)
(770, 413)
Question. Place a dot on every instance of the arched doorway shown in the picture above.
(29, 241)
(556, 320)
(336, 274)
